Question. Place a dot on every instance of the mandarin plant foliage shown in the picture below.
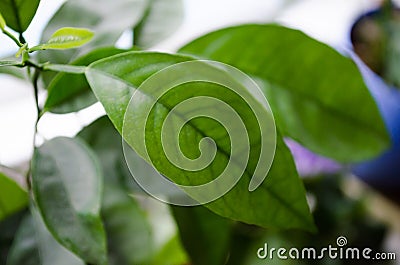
(78, 203)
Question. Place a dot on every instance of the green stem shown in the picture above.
(35, 80)
(35, 84)
(13, 38)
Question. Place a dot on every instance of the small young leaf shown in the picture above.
(66, 38)
(107, 20)
(2, 22)
(19, 13)
(67, 187)
(12, 197)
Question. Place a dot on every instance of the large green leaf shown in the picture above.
(34, 245)
(12, 197)
(67, 186)
(161, 20)
(18, 14)
(108, 21)
(210, 231)
(317, 95)
(71, 92)
(281, 198)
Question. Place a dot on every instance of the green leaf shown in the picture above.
(281, 198)
(65, 68)
(17, 72)
(9, 63)
(25, 249)
(161, 20)
(67, 186)
(107, 20)
(70, 92)
(2, 22)
(128, 230)
(18, 13)
(172, 253)
(12, 197)
(66, 38)
(8, 228)
(211, 233)
(127, 227)
(106, 142)
(35, 245)
(317, 95)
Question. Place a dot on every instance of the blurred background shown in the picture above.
(366, 211)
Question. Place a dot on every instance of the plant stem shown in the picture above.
(35, 80)
(13, 38)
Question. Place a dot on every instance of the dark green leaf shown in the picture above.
(161, 20)
(129, 234)
(204, 234)
(66, 38)
(281, 198)
(67, 186)
(128, 230)
(172, 253)
(106, 142)
(12, 197)
(70, 92)
(18, 13)
(8, 230)
(317, 95)
(35, 245)
(25, 249)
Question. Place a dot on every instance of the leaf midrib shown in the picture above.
(273, 194)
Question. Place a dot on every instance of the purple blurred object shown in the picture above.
(384, 171)
(310, 164)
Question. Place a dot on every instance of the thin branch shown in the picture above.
(11, 36)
